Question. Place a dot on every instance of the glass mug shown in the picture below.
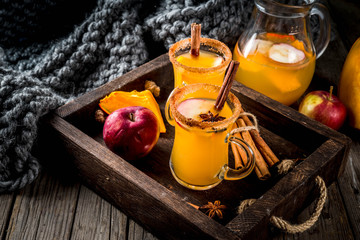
(199, 157)
(276, 52)
(208, 67)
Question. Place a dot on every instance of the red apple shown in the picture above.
(324, 107)
(131, 132)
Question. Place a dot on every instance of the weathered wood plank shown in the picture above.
(349, 184)
(92, 218)
(332, 224)
(43, 210)
(149, 236)
(119, 222)
(6, 202)
(95, 218)
(136, 232)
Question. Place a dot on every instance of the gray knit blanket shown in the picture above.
(113, 38)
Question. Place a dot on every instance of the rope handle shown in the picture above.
(296, 228)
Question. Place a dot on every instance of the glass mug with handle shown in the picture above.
(209, 67)
(199, 157)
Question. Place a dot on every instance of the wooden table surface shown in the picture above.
(59, 207)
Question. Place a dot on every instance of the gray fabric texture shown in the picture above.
(39, 74)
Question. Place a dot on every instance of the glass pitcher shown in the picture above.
(276, 52)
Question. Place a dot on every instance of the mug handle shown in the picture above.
(228, 173)
(325, 27)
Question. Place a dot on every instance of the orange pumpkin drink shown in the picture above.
(279, 66)
(208, 65)
(199, 156)
(205, 64)
(199, 167)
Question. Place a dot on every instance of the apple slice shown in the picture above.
(285, 53)
(257, 45)
(263, 46)
(191, 108)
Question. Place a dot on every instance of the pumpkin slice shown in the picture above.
(121, 99)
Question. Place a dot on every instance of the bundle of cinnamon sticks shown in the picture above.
(264, 156)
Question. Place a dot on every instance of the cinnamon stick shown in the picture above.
(226, 86)
(265, 150)
(195, 39)
(193, 205)
(242, 152)
(261, 168)
(237, 159)
(240, 159)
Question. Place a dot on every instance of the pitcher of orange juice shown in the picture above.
(276, 52)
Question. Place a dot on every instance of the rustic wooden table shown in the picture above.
(60, 207)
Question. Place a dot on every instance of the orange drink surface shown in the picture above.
(204, 60)
(279, 66)
(205, 152)
(208, 67)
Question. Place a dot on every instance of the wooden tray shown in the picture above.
(146, 190)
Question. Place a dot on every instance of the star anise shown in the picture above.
(213, 209)
(209, 117)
